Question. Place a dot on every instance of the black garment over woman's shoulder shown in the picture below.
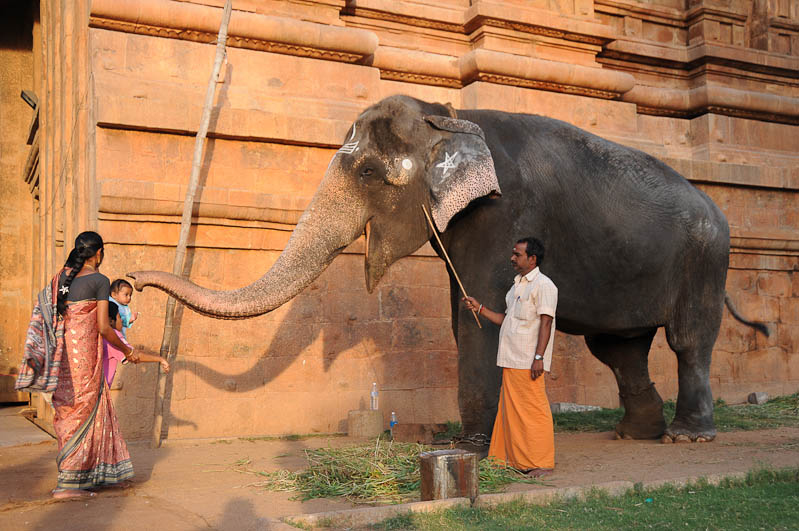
(94, 286)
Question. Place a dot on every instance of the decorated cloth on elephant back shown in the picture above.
(91, 450)
(523, 434)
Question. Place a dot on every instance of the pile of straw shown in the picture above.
(385, 472)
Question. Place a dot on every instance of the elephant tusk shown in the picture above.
(367, 231)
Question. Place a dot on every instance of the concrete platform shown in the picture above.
(16, 430)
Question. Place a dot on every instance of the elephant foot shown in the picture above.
(643, 414)
(640, 430)
(679, 433)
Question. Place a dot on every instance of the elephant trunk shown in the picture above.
(334, 219)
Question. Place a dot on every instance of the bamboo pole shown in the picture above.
(185, 223)
(435, 233)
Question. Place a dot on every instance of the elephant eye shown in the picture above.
(366, 171)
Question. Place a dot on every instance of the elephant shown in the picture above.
(631, 245)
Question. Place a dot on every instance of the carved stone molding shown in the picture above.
(534, 30)
(474, 24)
(193, 22)
(544, 85)
(422, 79)
(752, 115)
(375, 14)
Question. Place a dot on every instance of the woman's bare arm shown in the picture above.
(104, 325)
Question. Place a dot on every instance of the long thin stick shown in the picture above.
(185, 223)
(441, 245)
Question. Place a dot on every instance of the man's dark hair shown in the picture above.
(119, 283)
(534, 248)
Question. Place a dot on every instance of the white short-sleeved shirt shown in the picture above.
(530, 297)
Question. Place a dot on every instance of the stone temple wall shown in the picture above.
(708, 86)
(17, 218)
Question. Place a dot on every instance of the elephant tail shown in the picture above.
(762, 327)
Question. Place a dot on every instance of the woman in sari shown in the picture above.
(91, 450)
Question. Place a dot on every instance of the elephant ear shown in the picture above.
(460, 167)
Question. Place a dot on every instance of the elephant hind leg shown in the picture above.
(628, 359)
(693, 420)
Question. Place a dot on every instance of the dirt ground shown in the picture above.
(190, 485)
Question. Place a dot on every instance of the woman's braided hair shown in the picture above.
(86, 245)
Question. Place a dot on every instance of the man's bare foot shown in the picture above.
(72, 493)
(538, 472)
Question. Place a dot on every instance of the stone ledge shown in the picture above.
(505, 68)
(734, 174)
(714, 99)
(687, 57)
(535, 496)
(247, 30)
(650, 13)
(414, 66)
(537, 21)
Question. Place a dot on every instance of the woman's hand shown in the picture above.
(164, 365)
(131, 355)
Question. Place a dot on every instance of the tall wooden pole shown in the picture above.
(185, 223)
(452, 267)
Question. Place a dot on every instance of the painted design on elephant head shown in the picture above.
(350, 147)
(373, 185)
(472, 168)
(448, 164)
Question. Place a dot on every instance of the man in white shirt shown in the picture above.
(523, 435)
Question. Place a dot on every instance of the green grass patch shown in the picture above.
(765, 499)
(778, 412)
(453, 429)
(384, 471)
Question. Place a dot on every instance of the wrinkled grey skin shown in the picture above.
(631, 245)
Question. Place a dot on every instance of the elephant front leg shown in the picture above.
(628, 359)
(479, 380)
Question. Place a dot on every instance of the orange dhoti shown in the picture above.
(523, 433)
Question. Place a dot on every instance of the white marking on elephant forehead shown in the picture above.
(448, 164)
(350, 146)
(407, 164)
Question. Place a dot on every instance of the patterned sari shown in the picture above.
(91, 451)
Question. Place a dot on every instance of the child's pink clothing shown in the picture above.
(111, 357)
